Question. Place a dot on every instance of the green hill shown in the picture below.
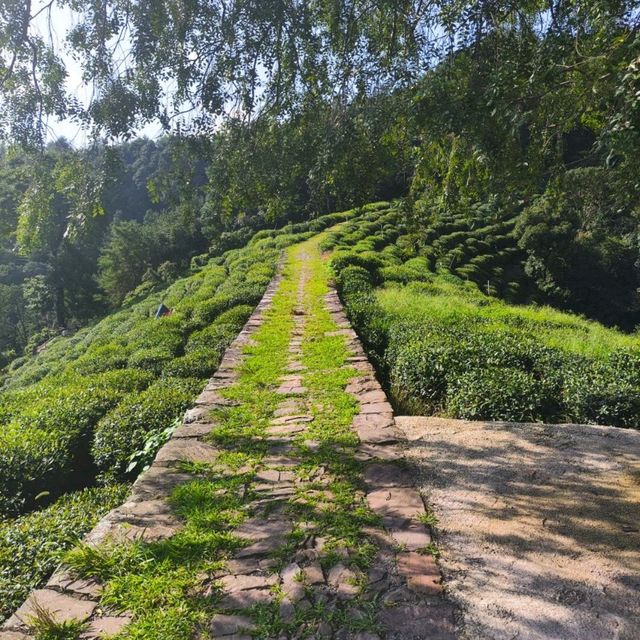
(93, 408)
(428, 306)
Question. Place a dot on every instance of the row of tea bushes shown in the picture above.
(87, 404)
(443, 347)
(30, 545)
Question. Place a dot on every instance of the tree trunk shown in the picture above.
(61, 317)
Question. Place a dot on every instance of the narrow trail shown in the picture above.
(286, 482)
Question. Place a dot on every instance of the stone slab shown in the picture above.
(105, 627)
(400, 504)
(186, 450)
(61, 606)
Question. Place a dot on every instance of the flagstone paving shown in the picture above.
(321, 531)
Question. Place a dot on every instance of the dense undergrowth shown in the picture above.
(97, 405)
(444, 346)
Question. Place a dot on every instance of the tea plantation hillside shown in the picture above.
(437, 310)
(84, 416)
(428, 305)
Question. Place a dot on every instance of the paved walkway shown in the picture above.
(539, 526)
(333, 544)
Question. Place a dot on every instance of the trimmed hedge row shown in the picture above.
(124, 431)
(47, 430)
(444, 348)
(30, 545)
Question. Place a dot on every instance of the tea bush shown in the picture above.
(30, 545)
(199, 363)
(443, 346)
(151, 359)
(47, 436)
(123, 430)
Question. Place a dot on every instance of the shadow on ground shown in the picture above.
(539, 525)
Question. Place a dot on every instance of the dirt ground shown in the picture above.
(539, 526)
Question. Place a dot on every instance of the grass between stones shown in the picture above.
(169, 587)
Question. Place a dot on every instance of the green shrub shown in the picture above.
(237, 316)
(50, 436)
(164, 333)
(199, 261)
(353, 279)
(216, 337)
(30, 544)
(496, 393)
(369, 261)
(605, 392)
(103, 358)
(124, 430)
(199, 363)
(152, 360)
(207, 311)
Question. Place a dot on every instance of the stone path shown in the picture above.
(288, 561)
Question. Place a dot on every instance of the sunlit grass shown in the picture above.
(448, 303)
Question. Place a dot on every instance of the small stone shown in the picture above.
(194, 430)
(197, 414)
(210, 396)
(246, 590)
(375, 428)
(233, 584)
(372, 451)
(14, 635)
(313, 574)
(157, 482)
(343, 580)
(244, 566)
(279, 460)
(268, 475)
(291, 582)
(398, 595)
(286, 430)
(324, 630)
(287, 611)
(223, 625)
(297, 418)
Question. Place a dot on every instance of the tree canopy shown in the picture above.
(148, 61)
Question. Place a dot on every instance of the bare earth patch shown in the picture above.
(539, 526)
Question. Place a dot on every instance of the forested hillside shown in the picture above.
(523, 117)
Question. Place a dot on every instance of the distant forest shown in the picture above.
(487, 110)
